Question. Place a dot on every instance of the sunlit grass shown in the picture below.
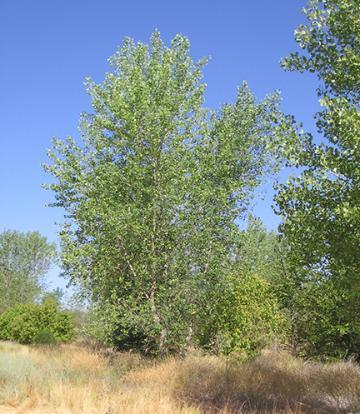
(70, 379)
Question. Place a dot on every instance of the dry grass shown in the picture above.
(75, 380)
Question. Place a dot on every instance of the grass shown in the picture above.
(70, 379)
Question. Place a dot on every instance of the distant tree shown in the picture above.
(258, 250)
(24, 260)
(55, 296)
(154, 192)
(321, 207)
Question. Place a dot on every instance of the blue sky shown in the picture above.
(47, 48)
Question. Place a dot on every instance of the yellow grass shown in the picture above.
(76, 380)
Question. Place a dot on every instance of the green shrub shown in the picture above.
(45, 337)
(26, 323)
(5, 323)
(245, 317)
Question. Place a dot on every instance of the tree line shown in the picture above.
(158, 189)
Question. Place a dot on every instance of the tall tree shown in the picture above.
(153, 192)
(24, 260)
(321, 207)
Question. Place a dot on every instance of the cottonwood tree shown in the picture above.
(321, 206)
(24, 260)
(153, 191)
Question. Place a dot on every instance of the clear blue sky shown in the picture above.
(47, 48)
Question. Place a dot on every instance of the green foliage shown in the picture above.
(6, 319)
(44, 337)
(331, 39)
(320, 207)
(28, 323)
(154, 191)
(24, 259)
(258, 251)
(329, 322)
(245, 317)
(54, 296)
(318, 310)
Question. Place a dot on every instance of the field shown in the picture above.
(70, 379)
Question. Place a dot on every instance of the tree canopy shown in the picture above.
(321, 206)
(154, 191)
(24, 260)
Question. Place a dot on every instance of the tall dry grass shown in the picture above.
(70, 379)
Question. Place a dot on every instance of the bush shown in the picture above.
(5, 323)
(245, 317)
(45, 337)
(30, 323)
